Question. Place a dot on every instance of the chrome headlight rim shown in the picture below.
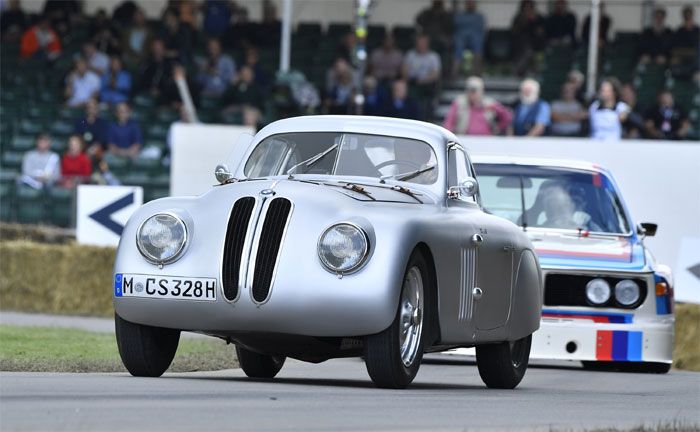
(636, 300)
(609, 293)
(178, 253)
(365, 252)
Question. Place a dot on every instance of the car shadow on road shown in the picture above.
(569, 366)
(327, 382)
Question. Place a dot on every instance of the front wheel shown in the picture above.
(146, 351)
(257, 365)
(393, 356)
(503, 365)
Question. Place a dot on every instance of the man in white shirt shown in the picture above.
(81, 85)
(41, 166)
(421, 67)
(97, 61)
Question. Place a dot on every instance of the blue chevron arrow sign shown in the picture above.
(103, 216)
(102, 212)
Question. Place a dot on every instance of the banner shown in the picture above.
(103, 211)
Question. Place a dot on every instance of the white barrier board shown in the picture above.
(659, 181)
(196, 151)
(103, 211)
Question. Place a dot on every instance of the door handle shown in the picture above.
(477, 239)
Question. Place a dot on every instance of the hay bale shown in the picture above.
(686, 353)
(54, 278)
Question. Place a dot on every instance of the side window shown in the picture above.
(459, 168)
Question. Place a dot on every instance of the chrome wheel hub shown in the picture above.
(411, 318)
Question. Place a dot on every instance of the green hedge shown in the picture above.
(56, 278)
(77, 280)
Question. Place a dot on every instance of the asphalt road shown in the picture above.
(337, 395)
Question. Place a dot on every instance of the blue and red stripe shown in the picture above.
(613, 345)
(598, 317)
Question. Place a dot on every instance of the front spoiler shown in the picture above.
(587, 341)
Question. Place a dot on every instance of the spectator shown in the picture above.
(75, 164)
(178, 38)
(252, 60)
(116, 83)
(217, 72)
(97, 61)
(136, 36)
(81, 85)
(373, 102)
(532, 116)
(13, 21)
(106, 35)
(576, 78)
(346, 48)
(686, 40)
(124, 136)
(633, 126)
(385, 62)
(567, 112)
(244, 92)
(156, 77)
(40, 41)
(474, 114)
(340, 87)
(603, 28)
(400, 104)
(436, 23)
(469, 31)
(92, 128)
(421, 67)
(40, 167)
(655, 41)
(528, 36)
(560, 25)
(123, 14)
(63, 15)
(607, 113)
(666, 120)
(217, 17)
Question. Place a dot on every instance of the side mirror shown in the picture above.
(223, 174)
(467, 188)
(647, 229)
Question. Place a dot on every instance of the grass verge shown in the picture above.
(41, 349)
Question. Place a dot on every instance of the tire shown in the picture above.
(503, 365)
(615, 366)
(391, 362)
(145, 351)
(259, 365)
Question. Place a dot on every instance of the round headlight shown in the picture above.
(343, 248)
(161, 238)
(627, 292)
(598, 291)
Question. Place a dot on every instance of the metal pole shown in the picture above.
(593, 48)
(286, 36)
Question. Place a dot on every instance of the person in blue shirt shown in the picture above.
(116, 83)
(531, 116)
(124, 135)
(469, 31)
(92, 128)
(400, 104)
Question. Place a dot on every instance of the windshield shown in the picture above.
(344, 154)
(545, 197)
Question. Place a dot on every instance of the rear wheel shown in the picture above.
(393, 356)
(146, 351)
(257, 365)
(503, 365)
(614, 366)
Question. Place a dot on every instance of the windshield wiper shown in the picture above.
(313, 159)
(408, 175)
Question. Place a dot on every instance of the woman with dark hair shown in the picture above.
(607, 113)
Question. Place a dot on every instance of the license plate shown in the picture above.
(168, 287)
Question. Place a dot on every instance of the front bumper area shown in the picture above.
(563, 339)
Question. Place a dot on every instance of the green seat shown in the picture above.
(157, 131)
(30, 205)
(151, 193)
(144, 101)
(31, 127)
(61, 128)
(167, 116)
(135, 179)
(145, 164)
(12, 160)
(6, 201)
(62, 206)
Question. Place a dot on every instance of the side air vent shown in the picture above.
(233, 247)
(269, 246)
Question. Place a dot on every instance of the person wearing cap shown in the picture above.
(472, 113)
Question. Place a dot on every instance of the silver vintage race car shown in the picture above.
(337, 236)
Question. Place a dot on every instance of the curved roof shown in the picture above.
(427, 132)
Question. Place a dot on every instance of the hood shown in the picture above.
(557, 250)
